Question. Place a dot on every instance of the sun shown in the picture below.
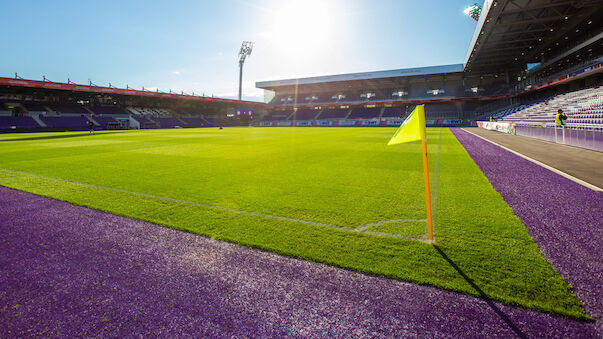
(301, 27)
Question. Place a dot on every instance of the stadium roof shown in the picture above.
(512, 33)
(71, 87)
(397, 73)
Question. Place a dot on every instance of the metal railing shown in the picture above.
(587, 136)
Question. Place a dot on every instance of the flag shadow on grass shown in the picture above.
(483, 294)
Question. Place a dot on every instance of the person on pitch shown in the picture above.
(90, 126)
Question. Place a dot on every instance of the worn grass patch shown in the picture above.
(341, 176)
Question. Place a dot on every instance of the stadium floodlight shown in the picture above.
(367, 95)
(473, 11)
(399, 93)
(338, 97)
(436, 91)
(246, 48)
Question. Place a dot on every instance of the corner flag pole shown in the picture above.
(413, 129)
(427, 192)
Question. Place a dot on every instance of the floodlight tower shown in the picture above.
(473, 11)
(245, 51)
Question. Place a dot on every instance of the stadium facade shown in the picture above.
(522, 53)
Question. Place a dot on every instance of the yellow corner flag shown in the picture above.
(412, 129)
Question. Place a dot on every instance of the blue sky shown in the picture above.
(193, 45)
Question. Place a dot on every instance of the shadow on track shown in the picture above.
(483, 294)
(58, 136)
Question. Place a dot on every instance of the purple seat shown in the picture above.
(168, 122)
(9, 122)
(35, 106)
(278, 115)
(195, 122)
(69, 108)
(337, 113)
(304, 114)
(365, 113)
(142, 119)
(108, 110)
(394, 112)
(103, 121)
(79, 123)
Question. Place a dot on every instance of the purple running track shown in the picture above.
(69, 271)
(564, 218)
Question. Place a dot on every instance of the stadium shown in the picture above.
(148, 212)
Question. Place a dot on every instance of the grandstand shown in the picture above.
(583, 108)
(29, 105)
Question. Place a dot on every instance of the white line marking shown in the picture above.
(377, 223)
(553, 169)
(226, 209)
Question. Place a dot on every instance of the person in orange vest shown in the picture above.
(560, 118)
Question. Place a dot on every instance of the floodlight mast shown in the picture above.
(246, 48)
(473, 11)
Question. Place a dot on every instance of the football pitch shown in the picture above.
(333, 195)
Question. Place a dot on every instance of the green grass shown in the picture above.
(340, 176)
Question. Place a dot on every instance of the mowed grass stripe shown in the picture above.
(340, 176)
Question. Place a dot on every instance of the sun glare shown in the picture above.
(299, 28)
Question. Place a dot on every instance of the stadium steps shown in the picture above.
(348, 114)
(381, 112)
(318, 115)
(49, 111)
(36, 117)
(89, 111)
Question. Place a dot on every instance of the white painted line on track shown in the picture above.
(553, 169)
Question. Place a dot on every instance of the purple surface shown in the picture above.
(69, 271)
(564, 218)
